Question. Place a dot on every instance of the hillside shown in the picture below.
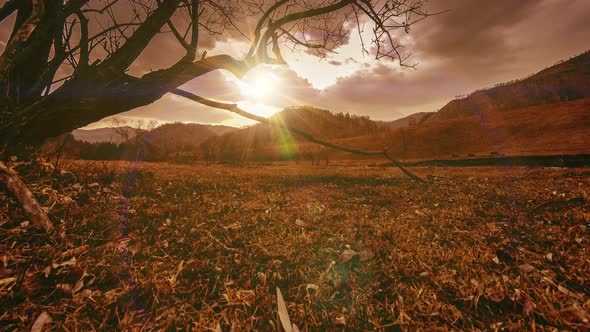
(544, 114)
(175, 140)
(409, 120)
(565, 81)
(182, 136)
(560, 128)
(102, 134)
(324, 123)
(265, 142)
(551, 129)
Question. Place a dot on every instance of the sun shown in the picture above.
(259, 86)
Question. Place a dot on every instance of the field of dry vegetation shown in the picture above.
(146, 246)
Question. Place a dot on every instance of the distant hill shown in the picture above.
(175, 138)
(102, 134)
(173, 141)
(547, 113)
(412, 119)
(324, 123)
(565, 81)
(551, 129)
(265, 142)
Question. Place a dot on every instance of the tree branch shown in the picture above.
(14, 47)
(261, 23)
(32, 209)
(8, 8)
(237, 110)
(262, 45)
(73, 6)
(139, 40)
(195, 27)
(84, 51)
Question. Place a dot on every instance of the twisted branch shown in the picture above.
(234, 108)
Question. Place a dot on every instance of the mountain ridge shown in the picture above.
(564, 81)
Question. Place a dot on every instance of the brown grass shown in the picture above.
(158, 246)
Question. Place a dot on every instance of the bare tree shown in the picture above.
(210, 150)
(66, 63)
(132, 131)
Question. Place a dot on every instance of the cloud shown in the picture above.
(472, 45)
(471, 30)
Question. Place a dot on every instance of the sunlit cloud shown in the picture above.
(263, 110)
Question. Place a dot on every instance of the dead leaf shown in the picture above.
(74, 252)
(283, 313)
(575, 314)
(312, 288)
(65, 288)
(43, 319)
(6, 281)
(569, 292)
(302, 223)
(528, 307)
(526, 268)
(365, 255)
(494, 294)
(340, 321)
(420, 213)
(346, 255)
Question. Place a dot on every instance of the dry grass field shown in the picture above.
(166, 247)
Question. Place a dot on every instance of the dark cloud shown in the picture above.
(473, 45)
(386, 93)
(471, 30)
(500, 40)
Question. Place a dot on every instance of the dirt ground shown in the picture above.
(351, 247)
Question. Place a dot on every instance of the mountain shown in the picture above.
(565, 81)
(551, 129)
(179, 137)
(410, 120)
(103, 134)
(266, 142)
(173, 141)
(547, 113)
(185, 132)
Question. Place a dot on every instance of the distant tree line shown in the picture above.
(178, 142)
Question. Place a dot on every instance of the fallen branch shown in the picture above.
(237, 110)
(32, 209)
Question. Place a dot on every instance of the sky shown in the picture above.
(472, 45)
